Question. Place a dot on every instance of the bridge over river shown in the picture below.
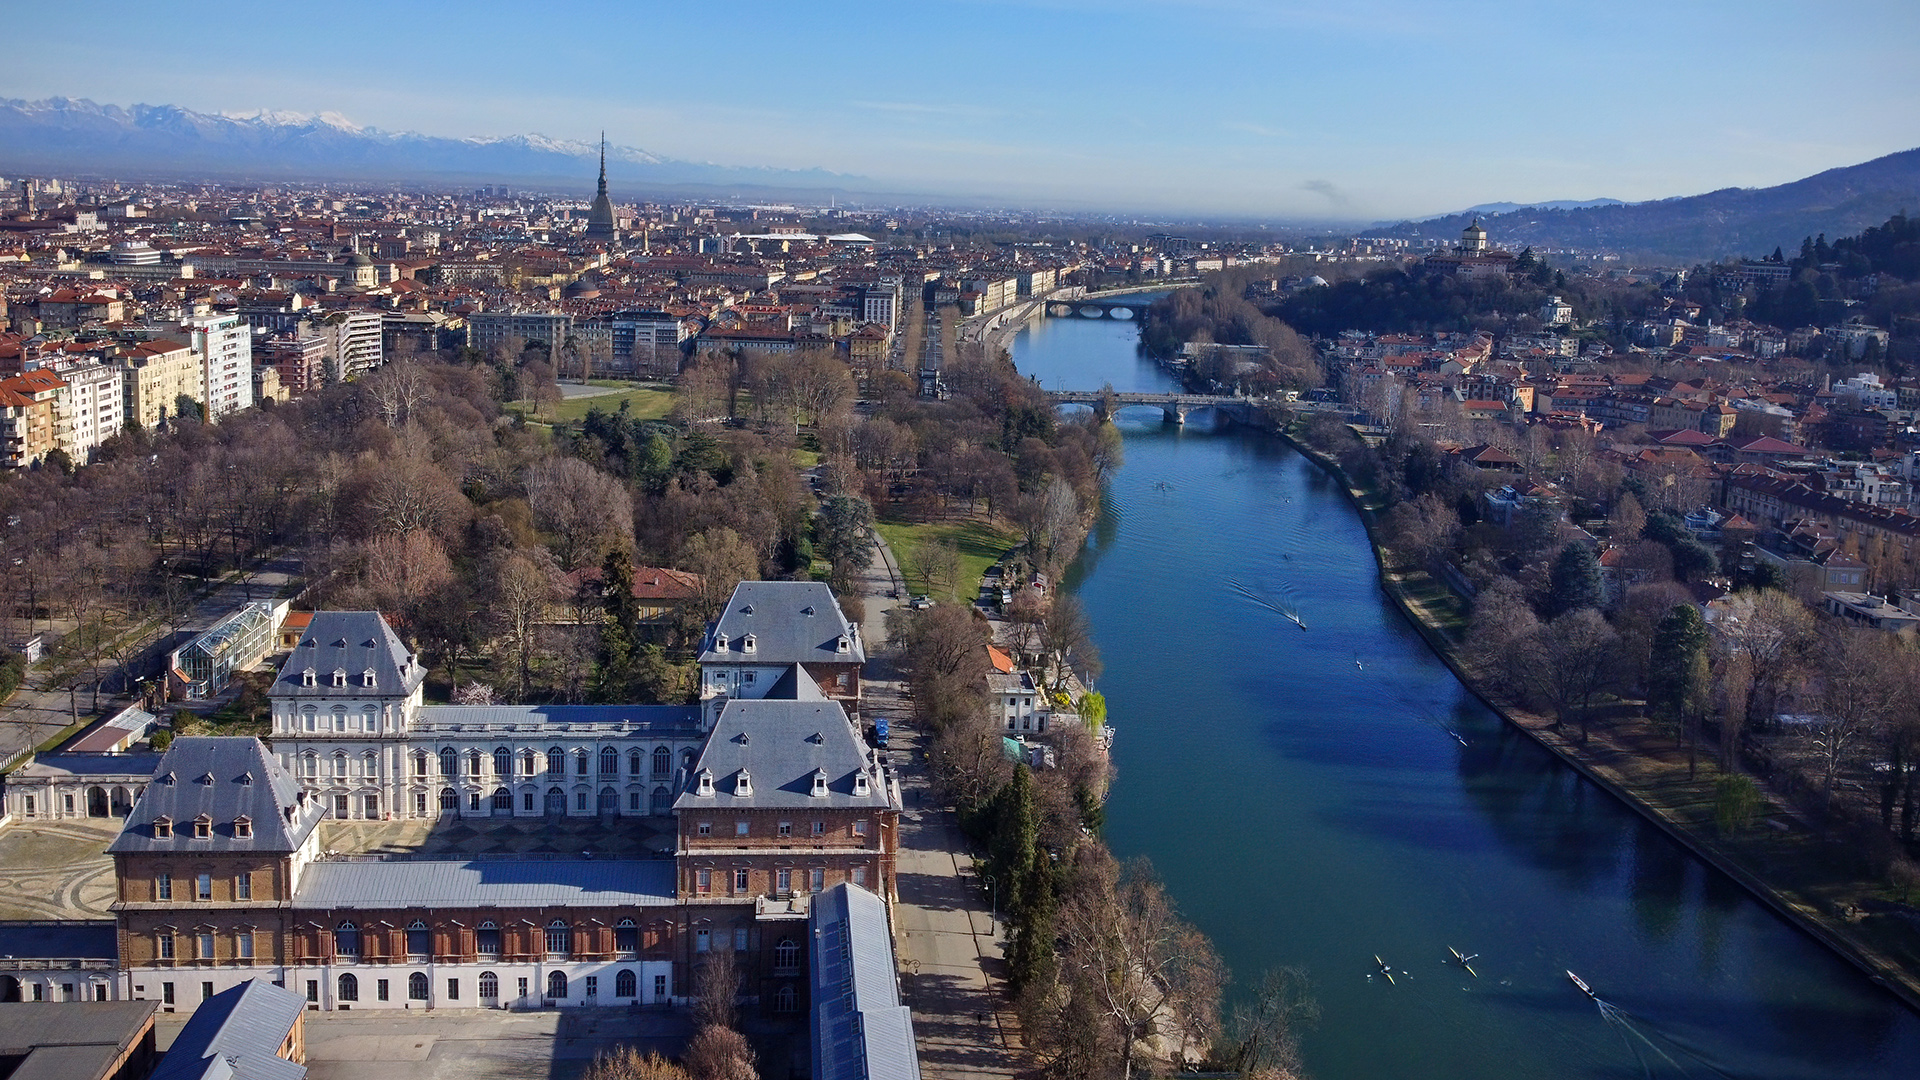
(1175, 406)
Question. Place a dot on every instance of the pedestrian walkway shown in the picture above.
(949, 948)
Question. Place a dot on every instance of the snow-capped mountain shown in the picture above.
(67, 134)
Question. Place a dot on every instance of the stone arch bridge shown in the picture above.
(1120, 310)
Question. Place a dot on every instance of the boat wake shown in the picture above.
(1279, 605)
(1649, 1046)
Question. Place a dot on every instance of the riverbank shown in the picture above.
(1784, 863)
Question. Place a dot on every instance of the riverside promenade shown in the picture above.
(946, 941)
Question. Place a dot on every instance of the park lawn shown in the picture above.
(979, 543)
(646, 403)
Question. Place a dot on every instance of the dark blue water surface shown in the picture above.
(1307, 800)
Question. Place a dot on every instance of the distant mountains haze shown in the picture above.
(69, 134)
(168, 141)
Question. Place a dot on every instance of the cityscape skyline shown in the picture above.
(1201, 106)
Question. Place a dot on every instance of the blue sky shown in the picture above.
(1353, 109)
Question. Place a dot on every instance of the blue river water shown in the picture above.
(1317, 797)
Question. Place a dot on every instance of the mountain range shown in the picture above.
(164, 141)
(1719, 224)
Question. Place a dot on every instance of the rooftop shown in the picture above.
(368, 883)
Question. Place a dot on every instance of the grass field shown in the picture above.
(646, 403)
(980, 545)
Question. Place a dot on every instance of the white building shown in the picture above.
(223, 343)
(883, 301)
(354, 340)
(96, 404)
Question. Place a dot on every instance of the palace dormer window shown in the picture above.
(747, 643)
(367, 678)
(743, 784)
(162, 828)
(339, 677)
(860, 783)
(705, 783)
(819, 783)
(242, 827)
(202, 827)
(844, 644)
(309, 678)
(720, 642)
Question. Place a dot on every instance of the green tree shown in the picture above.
(1679, 675)
(1736, 803)
(1010, 851)
(1574, 581)
(845, 538)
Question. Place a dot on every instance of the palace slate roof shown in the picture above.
(225, 779)
(790, 622)
(781, 744)
(236, 1035)
(350, 643)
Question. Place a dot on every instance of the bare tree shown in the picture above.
(1860, 692)
(718, 1053)
(1155, 980)
(1579, 654)
(526, 583)
(1266, 1028)
(716, 985)
(396, 389)
(627, 1063)
(586, 511)
(1775, 633)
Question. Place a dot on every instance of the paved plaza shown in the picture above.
(57, 869)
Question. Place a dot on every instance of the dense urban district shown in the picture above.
(428, 607)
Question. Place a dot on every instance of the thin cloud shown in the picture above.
(1327, 190)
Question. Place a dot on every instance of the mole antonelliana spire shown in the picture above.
(600, 224)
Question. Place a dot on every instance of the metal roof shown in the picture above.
(43, 939)
(665, 720)
(860, 1030)
(88, 764)
(504, 882)
(225, 778)
(790, 622)
(236, 1035)
(70, 1040)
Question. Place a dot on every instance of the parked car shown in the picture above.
(922, 602)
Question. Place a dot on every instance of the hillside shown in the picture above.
(1729, 222)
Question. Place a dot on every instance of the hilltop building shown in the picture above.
(1473, 257)
(600, 223)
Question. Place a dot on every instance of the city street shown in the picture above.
(949, 950)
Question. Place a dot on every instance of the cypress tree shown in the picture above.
(1574, 582)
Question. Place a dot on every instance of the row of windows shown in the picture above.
(815, 879)
(202, 884)
(167, 948)
(557, 939)
(502, 760)
(784, 829)
(555, 802)
(241, 827)
(625, 985)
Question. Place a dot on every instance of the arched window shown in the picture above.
(372, 719)
(559, 938)
(624, 984)
(786, 955)
(419, 763)
(309, 764)
(526, 762)
(307, 715)
(502, 761)
(486, 939)
(609, 761)
(419, 939)
(556, 985)
(346, 940)
(473, 763)
(633, 763)
(662, 761)
(580, 759)
(556, 761)
(489, 986)
(339, 764)
(609, 801)
(339, 719)
(349, 988)
(626, 937)
(784, 999)
(448, 761)
(502, 801)
(370, 764)
(417, 986)
(449, 800)
(556, 801)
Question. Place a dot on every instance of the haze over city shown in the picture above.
(1372, 110)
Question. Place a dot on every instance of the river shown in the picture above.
(1309, 801)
